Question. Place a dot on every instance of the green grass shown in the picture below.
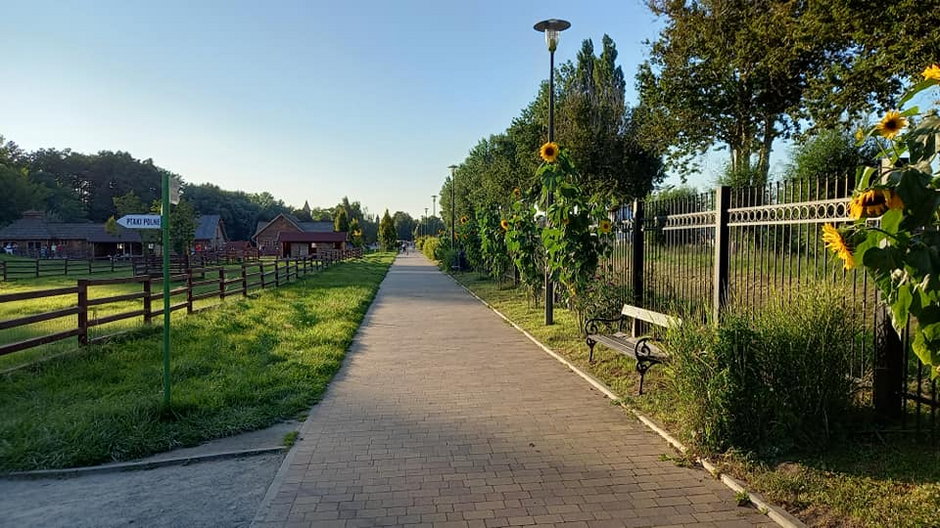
(243, 366)
(863, 481)
(16, 309)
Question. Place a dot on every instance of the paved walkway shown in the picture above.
(444, 415)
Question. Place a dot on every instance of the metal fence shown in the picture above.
(697, 255)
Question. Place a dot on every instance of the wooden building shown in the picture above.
(302, 244)
(268, 234)
(210, 234)
(35, 236)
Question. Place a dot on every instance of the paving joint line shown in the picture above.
(772, 511)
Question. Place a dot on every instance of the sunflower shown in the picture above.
(517, 193)
(464, 219)
(835, 243)
(549, 152)
(874, 202)
(893, 199)
(604, 226)
(891, 124)
(859, 135)
(504, 224)
(932, 73)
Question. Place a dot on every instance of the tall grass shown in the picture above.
(766, 381)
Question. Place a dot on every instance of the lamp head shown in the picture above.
(552, 27)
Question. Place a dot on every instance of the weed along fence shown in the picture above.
(95, 309)
(36, 268)
(697, 255)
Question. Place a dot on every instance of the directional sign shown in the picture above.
(140, 221)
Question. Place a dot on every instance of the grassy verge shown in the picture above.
(240, 367)
(865, 481)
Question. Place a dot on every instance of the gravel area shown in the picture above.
(213, 493)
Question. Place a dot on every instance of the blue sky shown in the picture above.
(307, 100)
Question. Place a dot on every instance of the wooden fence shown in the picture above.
(35, 268)
(146, 296)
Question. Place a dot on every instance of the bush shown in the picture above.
(429, 247)
(768, 381)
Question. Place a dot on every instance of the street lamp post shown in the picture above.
(453, 211)
(551, 27)
(425, 221)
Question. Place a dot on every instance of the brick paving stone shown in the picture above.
(443, 415)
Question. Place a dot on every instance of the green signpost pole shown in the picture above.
(165, 226)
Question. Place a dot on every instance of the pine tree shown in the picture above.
(341, 221)
(388, 237)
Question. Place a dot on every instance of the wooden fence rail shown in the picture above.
(193, 284)
(35, 268)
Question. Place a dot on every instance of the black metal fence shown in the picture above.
(696, 255)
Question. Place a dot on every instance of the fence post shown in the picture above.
(722, 251)
(261, 272)
(37, 267)
(147, 301)
(277, 273)
(89, 266)
(189, 290)
(221, 283)
(888, 372)
(636, 262)
(3, 265)
(244, 280)
(82, 311)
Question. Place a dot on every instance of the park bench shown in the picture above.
(642, 348)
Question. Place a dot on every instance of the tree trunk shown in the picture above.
(763, 160)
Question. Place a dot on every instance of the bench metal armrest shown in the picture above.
(642, 351)
(593, 326)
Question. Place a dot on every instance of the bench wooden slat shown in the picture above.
(625, 344)
(650, 316)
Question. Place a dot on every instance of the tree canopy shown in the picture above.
(740, 74)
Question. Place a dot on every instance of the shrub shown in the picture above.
(429, 247)
(767, 381)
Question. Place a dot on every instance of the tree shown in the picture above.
(404, 225)
(128, 203)
(355, 233)
(341, 221)
(743, 73)
(111, 226)
(182, 227)
(832, 154)
(18, 193)
(388, 237)
(595, 125)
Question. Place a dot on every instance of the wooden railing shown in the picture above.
(188, 291)
(36, 268)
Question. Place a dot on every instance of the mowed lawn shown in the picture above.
(242, 366)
